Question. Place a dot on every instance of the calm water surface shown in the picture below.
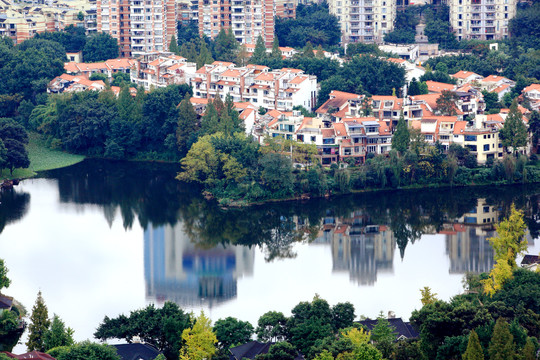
(103, 238)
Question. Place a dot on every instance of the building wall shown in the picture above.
(364, 20)
(481, 19)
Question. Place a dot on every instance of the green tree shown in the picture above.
(173, 46)
(259, 54)
(58, 334)
(199, 340)
(158, 326)
(39, 325)
(272, 327)
(514, 131)
(474, 349)
(231, 332)
(121, 78)
(277, 174)
(529, 350)
(383, 336)
(501, 346)
(279, 351)
(205, 56)
(187, 125)
(85, 350)
(308, 50)
(276, 52)
(417, 142)
(401, 138)
(225, 46)
(4, 280)
(100, 47)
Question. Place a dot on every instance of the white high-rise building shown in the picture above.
(481, 19)
(364, 20)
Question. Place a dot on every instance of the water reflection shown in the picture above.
(13, 206)
(195, 252)
(176, 269)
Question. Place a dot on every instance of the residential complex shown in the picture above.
(21, 21)
(161, 69)
(481, 19)
(271, 89)
(364, 20)
(248, 19)
(140, 26)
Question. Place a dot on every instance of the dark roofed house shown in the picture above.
(251, 349)
(136, 351)
(403, 330)
(530, 262)
(6, 302)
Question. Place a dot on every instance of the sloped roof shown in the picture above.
(5, 302)
(250, 350)
(136, 351)
(464, 74)
(401, 328)
(532, 87)
(34, 355)
(436, 86)
(530, 259)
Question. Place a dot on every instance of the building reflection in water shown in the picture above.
(178, 270)
(467, 243)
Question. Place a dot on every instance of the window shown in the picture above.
(486, 147)
(313, 138)
(371, 148)
(470, 138)
(429, 137)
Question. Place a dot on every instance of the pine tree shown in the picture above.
(401, 138)
(320, 52)
(514, 131)
(308, 50)
(58, 334)
(233, 122)
(39, 325)
(501, 346)
(528, 352)
(474, 349)
(205, 57)
(276, 52)
(187, 125)
(173, 46)
(242, 57)
(259, 54)
(210, 120)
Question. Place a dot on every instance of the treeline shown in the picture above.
(101, 124)
(505, 326)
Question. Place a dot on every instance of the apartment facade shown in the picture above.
(364, 20)
(481, 19)
(160, 70)
(140, 26)
(248, 19)
(277, 89)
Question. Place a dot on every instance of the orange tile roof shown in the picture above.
(298, 79)
(176, 66)
(231, 73)
(195, 100)
(436, 86)
(430, 99)
(340, 129)
(121, 63)
(156, 62)
(397, 61)
(223, 63)
(500, 88)
(328, 133)
(296, 71)
(246, 113)
(459, 127)
(494, 78)
(532, 87)
(265, 77)
(274, 113)
(463, 74)
(383, 128)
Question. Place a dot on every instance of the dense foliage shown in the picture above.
(161, 327)
(313, 24)
(101, 124)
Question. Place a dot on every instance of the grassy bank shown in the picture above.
(41, 158)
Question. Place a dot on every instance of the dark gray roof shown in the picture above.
(251, 349)
(136, 351)
(5, 302)
(402, 329)
(530, 259)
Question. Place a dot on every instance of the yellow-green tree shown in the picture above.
(199, 341)
(508, 244)
(427, 296)
(357, 336)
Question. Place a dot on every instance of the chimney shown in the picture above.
(391, 315)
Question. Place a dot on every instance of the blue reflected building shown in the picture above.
(178, 270)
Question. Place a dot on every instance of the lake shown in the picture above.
(104, 238)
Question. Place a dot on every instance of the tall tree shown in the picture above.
(446, 103)
(259, 54)
(276, 52)
(508, 244)
(187, 125)
(205, 56)
(501, 346)
(474, 349)
(199, 341)
(173, 46)
(428, 297)
(58, 334)
(4, 280)
(514, 131)
(401, 138)
(39, 325)
(308, 50)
